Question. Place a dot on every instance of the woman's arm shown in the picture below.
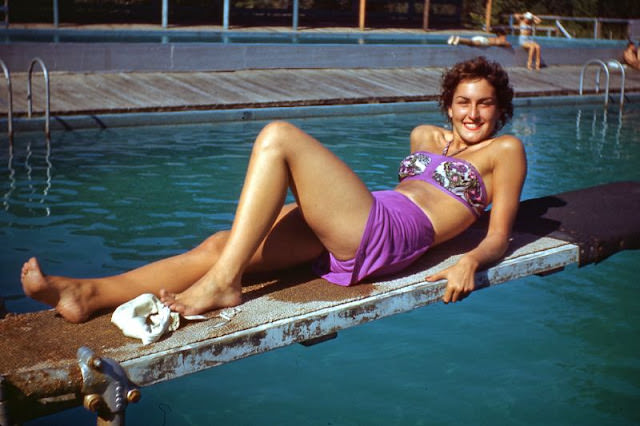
(429, 138)
(509, 171)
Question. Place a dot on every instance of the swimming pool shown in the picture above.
(262, 37)
(555, 350)
(243, 37)
(122, 51)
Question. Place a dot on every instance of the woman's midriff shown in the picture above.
(448, 216)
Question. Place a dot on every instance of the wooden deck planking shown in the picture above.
(306, 83)
(406, 81)
(208, 89)
(246, 87)
(377, 83)
(331, 86)
(87, 93)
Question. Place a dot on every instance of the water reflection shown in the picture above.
(38, 188)
(12, 180)
(601, 136)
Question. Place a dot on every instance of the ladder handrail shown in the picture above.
(563, 30)
(614, 63)
(606, 71)
(9, 99)
(610, 64)
(30, 96)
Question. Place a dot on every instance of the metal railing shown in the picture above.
(612, 63)
(9, 100)
(47, 92)
(596, 22)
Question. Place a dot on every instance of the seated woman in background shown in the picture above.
(349, 233)
(526, 22)
(481, 41)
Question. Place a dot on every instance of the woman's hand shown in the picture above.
(507, 180)
(460, 280)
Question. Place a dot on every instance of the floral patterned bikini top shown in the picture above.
(455, 177)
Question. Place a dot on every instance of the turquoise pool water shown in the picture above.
(557, 350)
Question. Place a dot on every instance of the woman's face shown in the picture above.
(474, 110)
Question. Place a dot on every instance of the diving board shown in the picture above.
(39, 366)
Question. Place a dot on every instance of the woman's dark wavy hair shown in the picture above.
(473, 69)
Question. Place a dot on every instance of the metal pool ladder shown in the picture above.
(48, 97)
(613, 64)
(9, 99)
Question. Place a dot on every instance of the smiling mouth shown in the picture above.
(472, 126)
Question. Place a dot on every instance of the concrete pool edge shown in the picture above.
(104, 121)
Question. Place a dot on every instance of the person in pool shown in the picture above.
(526, 22)
(349, 233)
(481, 41)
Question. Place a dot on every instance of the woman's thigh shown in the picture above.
(290, 242)
(332, 200)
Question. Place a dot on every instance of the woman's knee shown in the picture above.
(276, 130)
(213, 246)
(279, 136)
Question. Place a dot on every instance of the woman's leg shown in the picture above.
(333, 201)
(530, 51)
(289, 242)
(537, 56)
(77, 298)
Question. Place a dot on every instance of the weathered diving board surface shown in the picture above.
(39, 367)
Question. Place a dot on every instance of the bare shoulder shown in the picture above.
(426, 131)
(509, 161)
(508, 145)
(427, 137)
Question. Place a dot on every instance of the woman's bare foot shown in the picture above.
(203, 296)
(62, 294)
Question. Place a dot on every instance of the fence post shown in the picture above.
(56, 19)
(225, 14)
(165, 13)
(296, 9)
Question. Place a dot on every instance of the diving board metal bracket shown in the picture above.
(4, 404)
(106, 387)
(321, 339)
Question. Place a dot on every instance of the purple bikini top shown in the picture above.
(455, 177)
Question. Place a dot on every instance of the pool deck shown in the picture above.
(80, 87)
(130, 92)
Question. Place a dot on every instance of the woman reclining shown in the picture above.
(349, 233)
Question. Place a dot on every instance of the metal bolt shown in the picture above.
(92, 402)
(134, 395)
(95, 362)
